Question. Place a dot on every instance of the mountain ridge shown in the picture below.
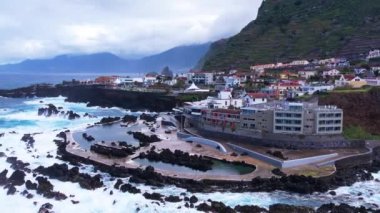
(180, 58)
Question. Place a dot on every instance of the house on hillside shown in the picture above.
(150, 78)
(331, 73)
(284, 75)
(225, 101)
(306, 74)
(299, 63)
(255, 98)
(313, 88)
(373, 54)
(232, 81)
(350, 81)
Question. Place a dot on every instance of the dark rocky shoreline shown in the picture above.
(98, 96)
(344, 176)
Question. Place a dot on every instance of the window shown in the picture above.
(297, 122)
(321, 129)
(298, 129)
(278, 128)
(338, 121)
(337, 128)
(338, 115)
(322, 122)
(252, 126)
(288, 128)
(279, 121)
(322, 115)
(297, 115)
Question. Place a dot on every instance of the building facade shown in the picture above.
(279, 118)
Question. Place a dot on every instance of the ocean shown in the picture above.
(16, 80)
(20, 116)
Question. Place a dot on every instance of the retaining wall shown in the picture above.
(280, 163)
(207, 142)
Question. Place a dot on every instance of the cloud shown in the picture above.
(40, 28)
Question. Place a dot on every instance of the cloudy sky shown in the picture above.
(45, 28)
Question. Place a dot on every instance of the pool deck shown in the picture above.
(263, 169)
(170, 141)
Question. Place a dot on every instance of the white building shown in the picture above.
(299, 63)
(255, 98)
(312, 88)
(225, 101)
(307, 73)
(373, 54)
(150, 79)
(332, 73)
(128, 80)
(261, 67)
(350, 80)
(232, 81)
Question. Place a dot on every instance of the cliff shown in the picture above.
(293, 29)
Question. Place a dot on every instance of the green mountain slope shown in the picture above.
(294, 29)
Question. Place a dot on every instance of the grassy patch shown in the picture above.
(357, 132)
(350, 90)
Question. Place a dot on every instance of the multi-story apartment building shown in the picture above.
(201, 78)
(279, 118)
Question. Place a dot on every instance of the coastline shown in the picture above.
(344, 175)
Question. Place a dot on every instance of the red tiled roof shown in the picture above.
(257, 95)
(349, 77)
(104, 79)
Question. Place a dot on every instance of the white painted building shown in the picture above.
(255, 98)
(128, 80)
(299, 63)
(232, 81)
(332, 73)
(313, 88)
(307, 73)
(373, 54)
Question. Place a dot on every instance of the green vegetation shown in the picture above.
(356, 132)
(350, 90)
(189, 97)
(297, 29)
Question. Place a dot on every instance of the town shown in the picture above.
(276, 81)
